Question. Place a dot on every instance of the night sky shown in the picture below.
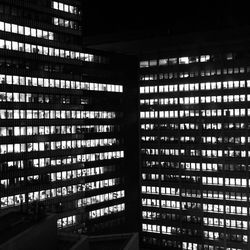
(174, 16)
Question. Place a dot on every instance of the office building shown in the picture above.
(194, 146)
(194, 131)
(63, 117)
(69, 138)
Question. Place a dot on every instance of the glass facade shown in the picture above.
(194, 123)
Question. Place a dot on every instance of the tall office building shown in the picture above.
(68, 136)
(194, 125)
(62, 114)
(194, 110)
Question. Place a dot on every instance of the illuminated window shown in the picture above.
(183, 60)
(205, 58)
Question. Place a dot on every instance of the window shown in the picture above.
(65, 7)
(28, 81)
(172, 61)
(163, 62)
(183, 60)
(205, 58)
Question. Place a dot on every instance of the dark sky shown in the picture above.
(110, 16)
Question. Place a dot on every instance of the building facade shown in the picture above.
(62, 117)
(69, 138)
(194, 123)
